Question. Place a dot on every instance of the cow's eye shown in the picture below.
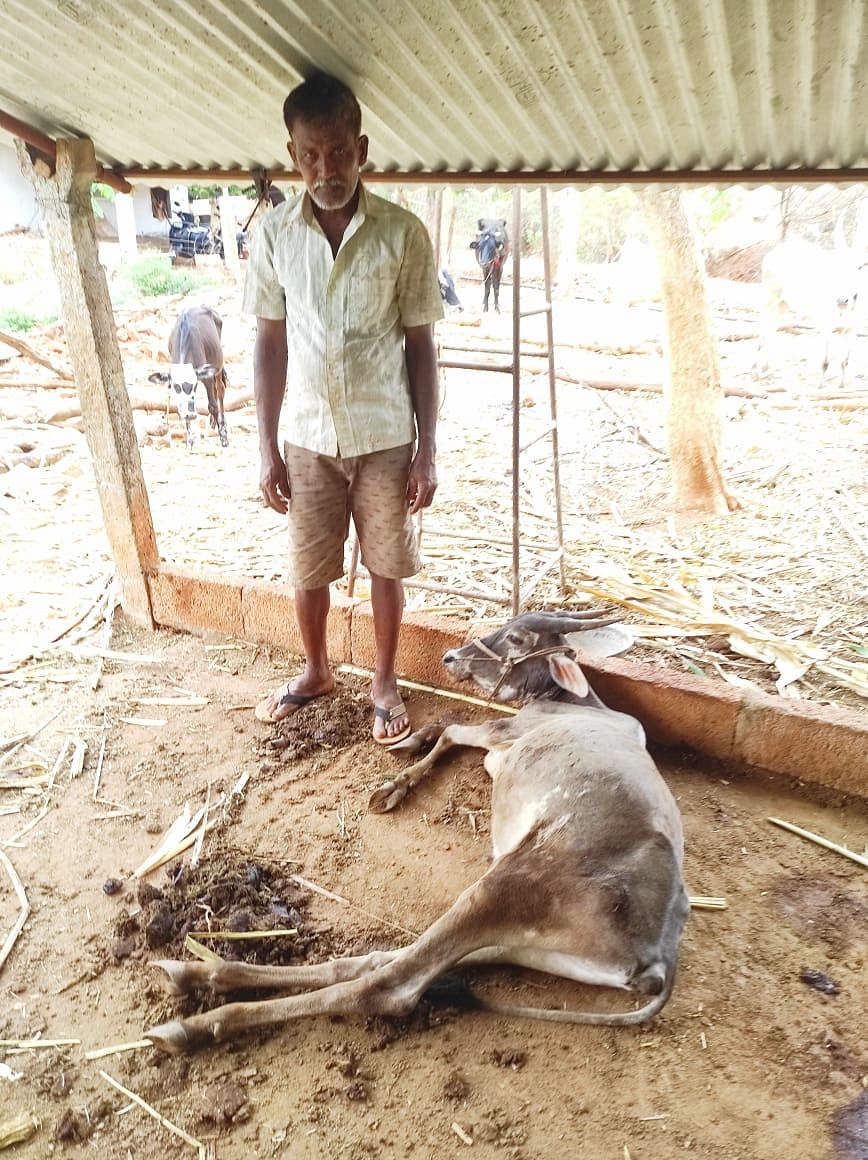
(515, 638)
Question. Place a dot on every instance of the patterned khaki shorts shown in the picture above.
(326, 491)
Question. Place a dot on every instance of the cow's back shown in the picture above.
(195, 338)
(588, 765)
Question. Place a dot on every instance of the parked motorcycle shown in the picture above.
(187, 237)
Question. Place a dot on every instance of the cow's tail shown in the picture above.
(453, 992)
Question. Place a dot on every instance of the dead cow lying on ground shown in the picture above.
(196, 352)
(586, 877)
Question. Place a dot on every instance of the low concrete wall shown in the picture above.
(814, 743)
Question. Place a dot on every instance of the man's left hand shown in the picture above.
(421, 481)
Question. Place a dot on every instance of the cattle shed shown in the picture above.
(760, 1054)
(544, 93)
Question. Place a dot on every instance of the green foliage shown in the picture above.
(154, 275)
(100, 192)
(606, 219)
(18, 321)
(195, 192)
(712, 209)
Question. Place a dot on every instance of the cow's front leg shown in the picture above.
(393, 792)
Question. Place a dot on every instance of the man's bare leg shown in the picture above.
(311, 611)
(387, 600)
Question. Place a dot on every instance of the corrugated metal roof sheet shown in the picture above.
(458, 85)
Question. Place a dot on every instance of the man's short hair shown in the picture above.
(322, 99)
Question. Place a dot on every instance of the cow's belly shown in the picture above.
(565, 966)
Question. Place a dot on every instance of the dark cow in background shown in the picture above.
(492, 250)
(447, 289)
(197, 357)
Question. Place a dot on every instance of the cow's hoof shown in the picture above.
(224, 438)
(171, 1038)
(175, 976)
(384, 799)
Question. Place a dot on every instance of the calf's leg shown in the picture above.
(475, 920)
(393, 792)
(220, 384)
(221, 976)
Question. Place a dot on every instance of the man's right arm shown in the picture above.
(269, 384)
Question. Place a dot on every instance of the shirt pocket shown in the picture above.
(371, 296)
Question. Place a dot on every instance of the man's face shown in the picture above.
(328, 157)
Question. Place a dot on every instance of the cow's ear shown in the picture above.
(566, 673)
(474, 245)
(158, 377)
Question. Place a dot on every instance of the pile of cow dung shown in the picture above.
(341, 719)
(227, 892)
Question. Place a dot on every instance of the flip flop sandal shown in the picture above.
(287, 697)
(387, 716)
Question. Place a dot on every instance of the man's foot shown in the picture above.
(280, 703)
(391, 724)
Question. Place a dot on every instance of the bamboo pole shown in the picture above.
(859, 859)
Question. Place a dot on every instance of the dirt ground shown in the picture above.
(747, 1061)
(751, 1060)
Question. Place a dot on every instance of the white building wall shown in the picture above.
(147, 226)
(17, 204)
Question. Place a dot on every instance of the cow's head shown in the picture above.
(182, 380)
(492, 241)
(531, 656)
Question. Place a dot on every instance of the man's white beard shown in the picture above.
(329, 203)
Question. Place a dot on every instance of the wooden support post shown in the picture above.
(64, 205)
(126, 218)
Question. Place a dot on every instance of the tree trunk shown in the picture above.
(693, 418)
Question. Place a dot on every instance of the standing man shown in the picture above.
(345, 291)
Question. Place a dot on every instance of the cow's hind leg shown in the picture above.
(221, 382)
(475, 920)
(222, 976)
